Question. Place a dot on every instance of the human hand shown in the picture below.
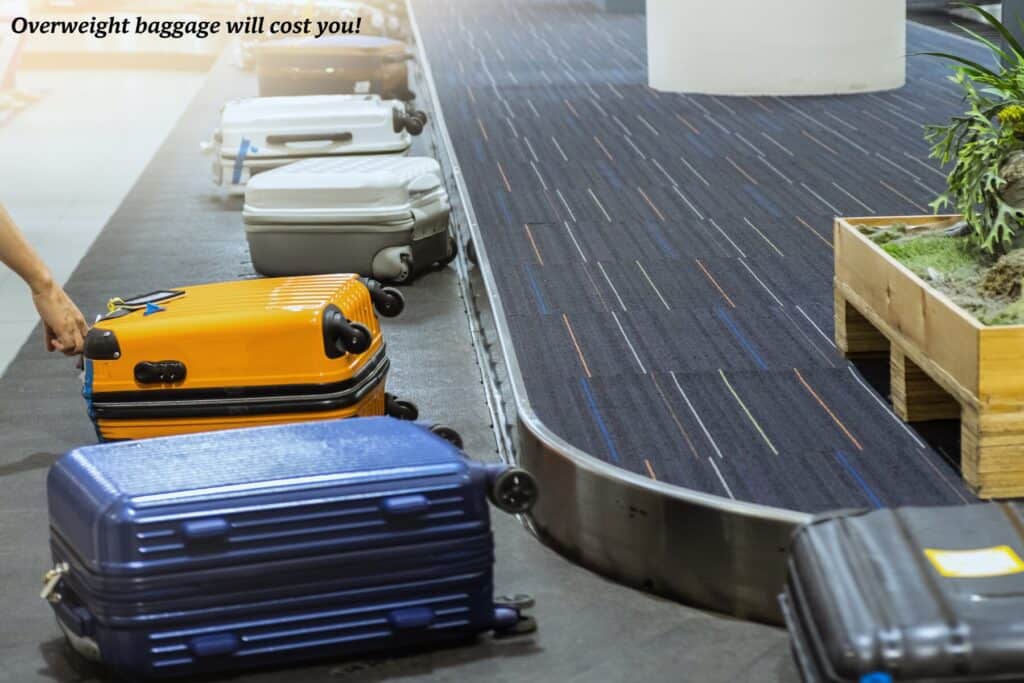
(64, 327)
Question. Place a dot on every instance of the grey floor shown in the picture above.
(170, 230)
(672, 254)
(62, 200)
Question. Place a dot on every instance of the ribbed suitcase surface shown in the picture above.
(360, 189)
(384, 217)
(215, 551)
(233, 354)
(930, 595)
(205, 500)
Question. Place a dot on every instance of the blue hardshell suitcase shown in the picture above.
(184, 555)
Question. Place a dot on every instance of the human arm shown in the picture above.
(64, 326)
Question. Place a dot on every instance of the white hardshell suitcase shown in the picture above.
(260, 133)
(379, 216)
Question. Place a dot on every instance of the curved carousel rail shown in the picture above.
(699, 548)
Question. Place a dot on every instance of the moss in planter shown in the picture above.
(1010, 315)
(885, 234)
(947, 255)
(989, 290)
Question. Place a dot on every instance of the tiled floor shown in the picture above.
(61, 176)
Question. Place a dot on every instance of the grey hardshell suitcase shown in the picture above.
(915, 595)
(383, 217)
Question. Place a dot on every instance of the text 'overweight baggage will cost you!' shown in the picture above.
(181, 28)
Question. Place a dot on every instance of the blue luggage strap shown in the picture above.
(243, 150)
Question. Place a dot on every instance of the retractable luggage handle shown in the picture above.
(286, 138)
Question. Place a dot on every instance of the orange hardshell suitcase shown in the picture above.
(240, 354)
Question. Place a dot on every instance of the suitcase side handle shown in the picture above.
(410, 618)
(205, 530)
(214, 645)
(71, 615)
(403, 506)
(286, 138)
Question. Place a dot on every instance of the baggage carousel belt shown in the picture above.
(666, 260)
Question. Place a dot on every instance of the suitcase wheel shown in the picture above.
(394, 264)
(359, 340)
(342, 335)
(453, 251)
(408, 120)
(413, 125)
(525, 624)
(471, 253)
(516, 601)
(514, 491)
(448, 434)
(407, 272)
(399, 409)
(416, 120)
(389, 302)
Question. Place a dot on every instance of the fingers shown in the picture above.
(79, 344)
(70, 341)
(81, 329)
(64, 326)
(49, 338)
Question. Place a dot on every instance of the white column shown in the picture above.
(776, 47)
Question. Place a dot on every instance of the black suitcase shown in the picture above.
(912, 595)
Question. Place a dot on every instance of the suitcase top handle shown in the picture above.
(287, 138)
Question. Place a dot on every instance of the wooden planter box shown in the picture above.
(944, 364)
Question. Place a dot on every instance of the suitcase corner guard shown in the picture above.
(101, 344)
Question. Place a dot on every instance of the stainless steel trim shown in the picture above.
(701, 549)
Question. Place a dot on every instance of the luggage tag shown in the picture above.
(999, 560)
(150, 303)
(51, 579)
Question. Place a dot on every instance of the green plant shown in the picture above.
(945, 254)
(980, 141)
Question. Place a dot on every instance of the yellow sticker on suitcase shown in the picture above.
(1001, 560)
